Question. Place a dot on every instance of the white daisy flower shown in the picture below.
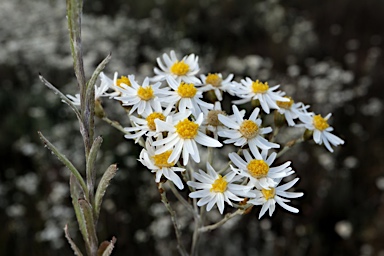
(213, 188)
(183, 134)
(158, 164)
(216, 83)
(100, 91)
(258, 168)
(321, 130)
(246, 131)
(291, 110)
(146, 125)
(184, 70)
(141, 97)
(185, 96)
(269, 197)
(255, 90)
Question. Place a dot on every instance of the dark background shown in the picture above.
(325, 53)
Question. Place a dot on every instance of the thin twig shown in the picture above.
(222, 221)
(166, 203)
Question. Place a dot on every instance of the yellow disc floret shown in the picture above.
(151, 120)
(249, 129)
(186, 90)
(123, 80)
(145, 93)
(320, 123)
(187, 129)
(268, 193)
(220, 185)
(213, 79)
(259, 87)
(180, 68)
(161, 160)
(258, 168)
(285, 104)
(213, 117)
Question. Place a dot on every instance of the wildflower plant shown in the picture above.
(182, 135)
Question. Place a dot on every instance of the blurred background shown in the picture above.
(328, 54)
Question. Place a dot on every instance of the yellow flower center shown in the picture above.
(220, 185)
(151, 120)
(249, 129)
(186, 90)
(180, 68)
(124, 80)
(161, 160)
(213, 117)
(320, 123)
(187, 129)
(258, 168)
(268, 193)
(285, 104)
(145, 93)
(213, 79)
(259, 87)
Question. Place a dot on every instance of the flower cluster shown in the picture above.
(170, 115)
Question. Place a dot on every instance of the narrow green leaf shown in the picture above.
(74, 247)
(97, 72)
(102, 187)
(86, 209)
(66, 162)
(90, 170)
(62, 96)
(76, 193)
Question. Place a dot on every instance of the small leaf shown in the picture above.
(105, 248)
(62, 96)
(76, 193)
(97, 72)
(86, 210)
(102, 187)
(74, 247)
(66, 162)
(90, 170)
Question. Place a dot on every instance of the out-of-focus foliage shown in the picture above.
(325, 53)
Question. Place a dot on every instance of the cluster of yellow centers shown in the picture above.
(180, 68)
(268, 193)
(186, 90)
(161, 160)
(285, 104)
(123, 80)
(320, 123)
(145, 93)
(151, 120)
(259, 87)
(219, 185)
(213, 117)
(258, 168)
(187, 129)
(249, 129)
(213, 79)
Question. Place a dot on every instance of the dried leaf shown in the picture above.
(74, 247)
